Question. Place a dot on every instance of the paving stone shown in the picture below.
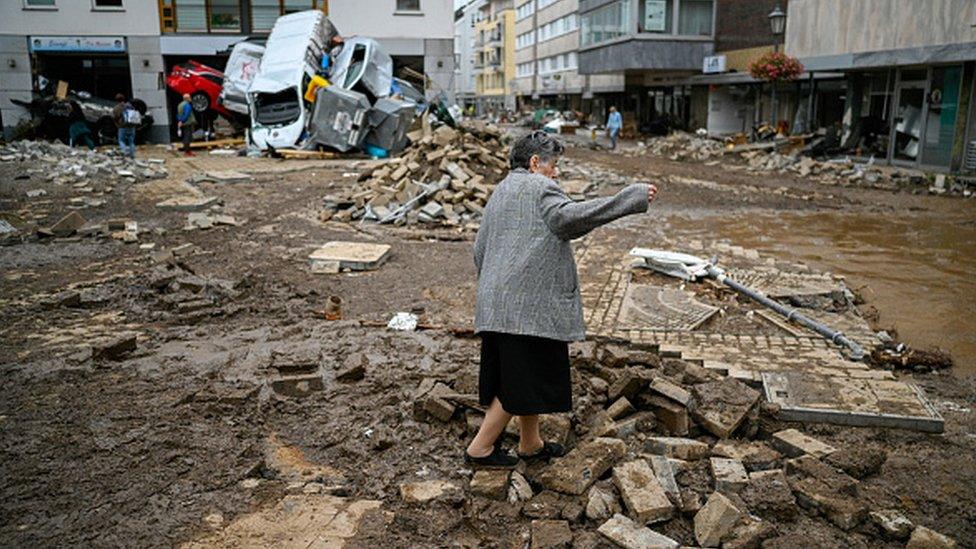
(620, 408)
(675, 447)
(690, 503)
(892, 523)
(631, 535)
(748, 534)
(715, 519)
(490, 483)
(520, 489)
(923, 538)
(114, 347)
(664, 472)
(793, 443)
(720, 406)
(642, 493)
(811, 467)
(754, 455)
(601, 504)
(355, 256)
(670, 390)
(729, 474)
(768, 495)
(640, 422)
(429, 490)
(299, 386)
(673, 416)
(582, 466)
(627, 384)
(545, 505)
(859, 461)
(843, 510)
(588, 540)
(551, 534)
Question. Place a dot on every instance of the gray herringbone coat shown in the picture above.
(526, 272)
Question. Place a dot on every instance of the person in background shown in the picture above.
(614, 123)
(127, 133)
(185, 123)
(78, 131)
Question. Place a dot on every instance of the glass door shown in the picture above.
(940, 122)
(908, 120)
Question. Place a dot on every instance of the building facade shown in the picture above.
(465, 20)
(128, 46)
(547, 47)
(494, 61)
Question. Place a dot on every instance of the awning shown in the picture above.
(729, 78)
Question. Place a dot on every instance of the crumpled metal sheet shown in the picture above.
(363, 62)
(242, 67)
(389, 122)
(339, 119)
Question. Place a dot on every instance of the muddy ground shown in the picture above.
(146, 450)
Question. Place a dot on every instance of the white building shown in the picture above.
(465, 53)
(546, 57)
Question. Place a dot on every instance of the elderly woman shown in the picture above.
(529, 305)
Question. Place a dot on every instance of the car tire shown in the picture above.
(200, 102)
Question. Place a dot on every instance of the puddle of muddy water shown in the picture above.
(918, 271)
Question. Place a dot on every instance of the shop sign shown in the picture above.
(655, 15)
(713, 64)
(103, 44)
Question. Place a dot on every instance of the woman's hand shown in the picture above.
(651, 193)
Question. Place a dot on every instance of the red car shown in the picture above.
(203, 83)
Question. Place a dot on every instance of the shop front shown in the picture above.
(97, 65)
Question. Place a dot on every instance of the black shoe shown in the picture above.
(548, 451)
(497, 459)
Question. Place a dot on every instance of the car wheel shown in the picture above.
(200, 102)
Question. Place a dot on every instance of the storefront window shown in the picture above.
(609, 22)
(225, 15)
(695, 17)
(940, 126)
(656, 15)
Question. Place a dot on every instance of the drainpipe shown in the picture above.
(810, 101)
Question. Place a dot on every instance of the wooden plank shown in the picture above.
(228, 142)
(313, 155)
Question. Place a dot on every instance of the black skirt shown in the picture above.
(529, 375)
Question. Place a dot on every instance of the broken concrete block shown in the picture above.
(673, 416)
(768, 495)
(355, 256)
(198, 220)
(664, 472)
(430, 490)
(520, 489)
(581, 467)
(639, 422)
(748, 534)
(859, 462)
(353, 368)
(620, 408)
(720, 406)
(627, 384)
(297, 386)
(551, 534)
(754, 455)
(667, 389)
(187, 203)
(545, 505)
(642, 493)
(490, 484)
(811, 467)
(892, 523)
(601, 504)
(715, 520)
(923, 538)
(844, 511)
(433, 210)
(439, 407)
(680, 448)
(114, 348)
(67, 225)
(729, 475)
(793, 443)
(631, 535)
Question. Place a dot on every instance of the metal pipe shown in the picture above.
(835, 336)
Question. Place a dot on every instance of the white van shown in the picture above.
(276, 96)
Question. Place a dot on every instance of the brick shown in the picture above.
(620, 408)
(755, 455)
(892, 523)
(793, 443)
(675, 447)
(490, 484)
(674, 392)
(627, 384)
(923, 538)
(729, 474)
(642, 493)
(631, 535)
(581, 467)
(664, 472)
(748, 534)
(673, 416)
(720, 406)
(439, 408)
(297, 386)
(551, 534)
(601, 504)
(429, 490)
(715, 519)
(768, 495)
(641, 421)
(842, 510)
(811, 467)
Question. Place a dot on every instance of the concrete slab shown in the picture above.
(355, 256)
(657, 308)
(846, 401)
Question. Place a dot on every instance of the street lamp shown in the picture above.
(777, 23)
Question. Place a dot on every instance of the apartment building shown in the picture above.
(547, 60)
(465, 19)
(495, 57)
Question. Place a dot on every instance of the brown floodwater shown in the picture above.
(917, 270)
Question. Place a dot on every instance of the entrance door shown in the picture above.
(908, 120)
(940, 121)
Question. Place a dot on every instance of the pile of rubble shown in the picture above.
(443, 179)
(681, 146)
(65, 165)
(666, 453)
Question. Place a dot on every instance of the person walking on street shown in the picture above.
(528, 304)
(78, 131)
(185, 123)
(126, 129)
(614, 123)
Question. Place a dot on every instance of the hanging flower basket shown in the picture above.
(776, 67)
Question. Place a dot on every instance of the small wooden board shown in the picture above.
(228, 142)
(306, 155)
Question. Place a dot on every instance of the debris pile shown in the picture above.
(666, 453)
(681, 146)
(64, 165)
(444, 179)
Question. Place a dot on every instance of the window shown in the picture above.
(695, 17)
(408, 5)
(110, 4)
(545, 3)
(524, 40)
(606, 23)
(656, 15)
(525, 10)
(525, 69)
(191, 15)
(558, 27)
(225, 15)
(264, 13)
(43, 4)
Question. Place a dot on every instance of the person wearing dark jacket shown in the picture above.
(528, 301)
(185, 123)
(127, 133)
(78, 131)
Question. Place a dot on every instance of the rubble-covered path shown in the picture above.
(171, 379)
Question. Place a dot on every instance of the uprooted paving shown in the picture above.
(172, 379)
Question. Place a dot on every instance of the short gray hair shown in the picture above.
(540, 143)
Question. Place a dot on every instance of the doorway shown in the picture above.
(924, 116)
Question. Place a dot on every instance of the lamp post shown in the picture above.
(777, 23)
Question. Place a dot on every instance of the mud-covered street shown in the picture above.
(242, 417)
